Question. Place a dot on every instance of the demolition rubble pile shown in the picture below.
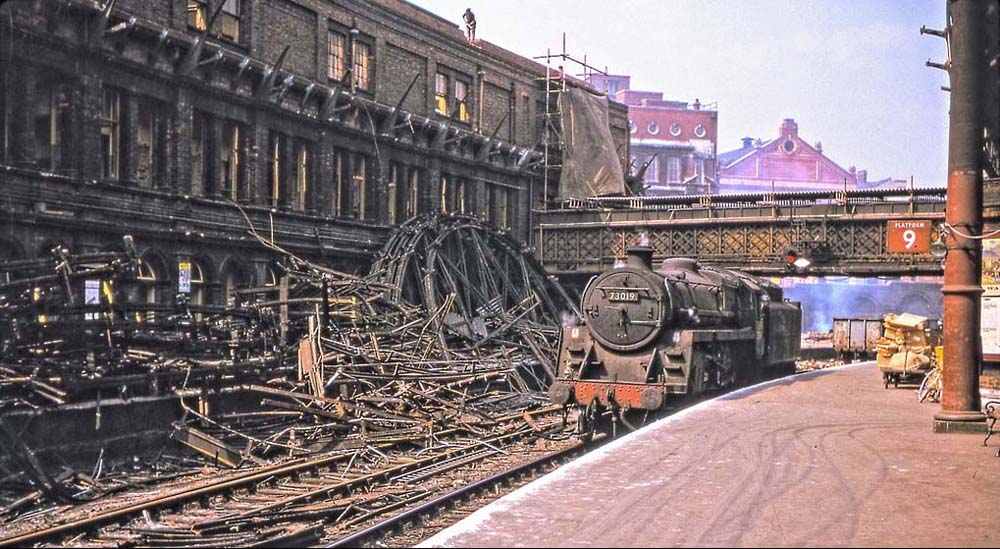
(451, 332)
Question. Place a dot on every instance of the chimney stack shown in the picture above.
(788, 128)
(747, 142)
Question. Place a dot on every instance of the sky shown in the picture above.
(850, 72)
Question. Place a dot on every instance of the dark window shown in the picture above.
(150, 149)
(302, 175)
(51, 124)
(199, 154)
(393, 193)
(111, 134)
(276, 169)
(413, 194)
(231, 173)
(338, 183)
(358, 189)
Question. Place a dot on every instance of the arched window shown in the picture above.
(197, 285)
(233, 278)
(147, 279)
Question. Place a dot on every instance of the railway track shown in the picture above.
(302, 502)
(376, 532)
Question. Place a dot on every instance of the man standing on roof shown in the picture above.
(470, 25)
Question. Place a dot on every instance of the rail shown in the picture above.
(368, 536)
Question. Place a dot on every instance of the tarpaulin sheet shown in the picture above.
(590, 164)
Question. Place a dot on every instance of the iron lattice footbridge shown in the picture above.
(841, 232)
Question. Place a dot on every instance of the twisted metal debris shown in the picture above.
(450, 335)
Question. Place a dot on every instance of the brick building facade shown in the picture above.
(785, 163)
(677, 142)
(328, 121)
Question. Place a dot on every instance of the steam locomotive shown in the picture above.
(650, 337)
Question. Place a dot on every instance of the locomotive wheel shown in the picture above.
(586, 421)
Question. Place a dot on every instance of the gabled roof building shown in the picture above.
(785, 163)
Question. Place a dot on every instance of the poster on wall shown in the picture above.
(184, 277)
(990, 326)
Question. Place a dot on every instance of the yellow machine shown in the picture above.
(906, 348)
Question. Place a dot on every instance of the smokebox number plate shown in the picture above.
(623, 296)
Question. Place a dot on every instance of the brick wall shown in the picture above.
(49, 44)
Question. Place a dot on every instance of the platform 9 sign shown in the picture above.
(909, 237)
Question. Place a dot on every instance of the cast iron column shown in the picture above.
(962, 275)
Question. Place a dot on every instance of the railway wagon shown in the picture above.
(856, 336)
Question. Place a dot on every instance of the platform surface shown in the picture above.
(827, 458)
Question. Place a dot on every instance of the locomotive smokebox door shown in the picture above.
(626, 308)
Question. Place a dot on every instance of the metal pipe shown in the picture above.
(962, 275)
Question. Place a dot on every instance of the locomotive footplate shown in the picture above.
(626, 395)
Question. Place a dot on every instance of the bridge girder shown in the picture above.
(751, 237)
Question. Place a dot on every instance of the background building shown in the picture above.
(326, 122)
(785, 163)
(676, 140)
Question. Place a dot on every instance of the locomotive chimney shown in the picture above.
(639, 257)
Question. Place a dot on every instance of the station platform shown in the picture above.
(825, 458)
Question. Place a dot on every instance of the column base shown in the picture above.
(959, 422)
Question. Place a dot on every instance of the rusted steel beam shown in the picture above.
(962, 271)
(217, 451)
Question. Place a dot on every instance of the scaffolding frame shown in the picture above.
(555, 83)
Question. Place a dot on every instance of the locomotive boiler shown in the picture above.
(650, 336)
